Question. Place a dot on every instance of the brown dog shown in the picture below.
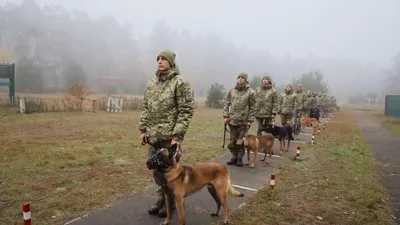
(309, 121)
(256, 143)
(183, 181)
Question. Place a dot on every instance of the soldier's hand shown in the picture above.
(143, 138)
(249, 124)
(226, 120)
(175, 142)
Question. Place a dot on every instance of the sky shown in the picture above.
(365, 30)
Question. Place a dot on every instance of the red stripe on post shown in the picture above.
(26, 211)
(272, 181)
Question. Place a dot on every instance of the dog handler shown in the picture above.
(168, 109)
(287, 108)
(266, 104)
(238, 113)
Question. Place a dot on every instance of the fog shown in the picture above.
(352, 43)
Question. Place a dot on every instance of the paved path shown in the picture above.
(386, 148)
(133, 209)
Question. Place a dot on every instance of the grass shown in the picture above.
(336, 182)
(392, 124)
(66, 164)
(366, 107)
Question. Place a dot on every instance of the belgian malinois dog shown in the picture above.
(310, 121)
(256, 143)
(182, 181)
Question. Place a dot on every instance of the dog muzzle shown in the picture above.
(156, 162)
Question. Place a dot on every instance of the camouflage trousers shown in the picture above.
(237, 134)
(262, 124)
(287, 119)
(158, 177)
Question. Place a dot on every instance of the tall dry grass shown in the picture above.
(77, 99)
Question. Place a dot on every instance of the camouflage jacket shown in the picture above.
(325, 101)
(168, 107)
(287, 103)
(300, 100)
(239, 105)
(308, 103)
(313, 102)
(266, 102)
(319, 101)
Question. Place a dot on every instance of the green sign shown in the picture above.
(392, 105)
(7, 78)
(5, 71)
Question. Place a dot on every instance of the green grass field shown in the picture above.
(66, 164)
(336, 182)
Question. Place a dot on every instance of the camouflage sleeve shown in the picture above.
(304, 101)
(279, 104)
(275, 103)
(256, 106)
(296, 102)
(185, 100)
(227, 103)
(252, 106)
(295, 105)
(144, 116)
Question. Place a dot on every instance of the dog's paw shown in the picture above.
(164, 223)
(262, 159)
(226, 223)
(214, 214)
(252, 166)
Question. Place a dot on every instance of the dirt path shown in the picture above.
(386, 148)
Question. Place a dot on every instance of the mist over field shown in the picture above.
(54, 43)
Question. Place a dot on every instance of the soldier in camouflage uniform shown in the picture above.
(318, 102)
(300, 100)
(266, 104)
(325, 105)
(168, 108)
(287, 108)
(314, 108)
(238, 113)
(308, 103)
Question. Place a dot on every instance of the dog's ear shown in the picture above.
(173, 148)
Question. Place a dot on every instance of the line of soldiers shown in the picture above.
(168, 109)
(243, 105)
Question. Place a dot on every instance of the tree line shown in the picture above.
(54, 47)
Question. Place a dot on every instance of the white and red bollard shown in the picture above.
(298, 152)
(272, 181)
(26, 211)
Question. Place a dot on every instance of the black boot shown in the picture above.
(239, 161)
(163, 211)
(232, 161)
(155, 208)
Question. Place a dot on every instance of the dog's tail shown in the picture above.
(231, 190)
